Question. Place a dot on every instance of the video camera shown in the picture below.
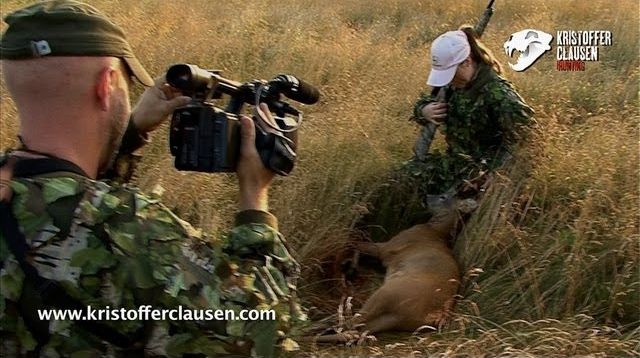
(206, 138)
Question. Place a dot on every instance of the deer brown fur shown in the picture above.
(422, 276)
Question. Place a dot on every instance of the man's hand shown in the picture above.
(156, 104)
(435, 112)
(253, 177)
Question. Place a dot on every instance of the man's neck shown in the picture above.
(27, 151)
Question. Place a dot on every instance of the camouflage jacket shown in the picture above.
(483, 122)
(110, 246)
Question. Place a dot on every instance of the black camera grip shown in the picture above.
(275, 152)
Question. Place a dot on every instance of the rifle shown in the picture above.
(439, 93)
(484, 20)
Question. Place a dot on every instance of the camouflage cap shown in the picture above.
(66, 28)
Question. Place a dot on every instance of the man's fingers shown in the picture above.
(178, 102)
(159, 81)
(169, 92)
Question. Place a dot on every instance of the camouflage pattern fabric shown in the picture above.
(483, 123)
(111, 246)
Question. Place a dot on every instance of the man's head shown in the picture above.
(66, 28)
(68, 67)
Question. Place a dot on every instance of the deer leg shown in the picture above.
(368, 248)
(386, 322)
(350, 266)
(333, 338)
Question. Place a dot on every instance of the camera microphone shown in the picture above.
(295, 89)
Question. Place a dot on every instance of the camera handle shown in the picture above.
(280, 108)
(276, 144)
(276, 151)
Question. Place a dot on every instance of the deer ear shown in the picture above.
(467, 206)
(451, 192)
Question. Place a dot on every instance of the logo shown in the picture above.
(40, 48)
(531, 44)
(575, 48)
(435, 60)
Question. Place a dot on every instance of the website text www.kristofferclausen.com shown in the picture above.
(147, 313)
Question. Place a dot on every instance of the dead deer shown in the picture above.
(422, 275)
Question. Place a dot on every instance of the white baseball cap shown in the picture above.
(447, 52)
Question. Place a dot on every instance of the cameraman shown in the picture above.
(72, 239)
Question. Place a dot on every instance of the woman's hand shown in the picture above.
(435, 112)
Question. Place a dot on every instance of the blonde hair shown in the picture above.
(479, 52)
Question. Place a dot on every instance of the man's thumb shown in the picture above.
(247, 134)
(179, 101)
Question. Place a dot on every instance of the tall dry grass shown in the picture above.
(551, 256)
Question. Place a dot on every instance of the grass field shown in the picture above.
(551, 258)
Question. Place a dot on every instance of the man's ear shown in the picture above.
(107, 79)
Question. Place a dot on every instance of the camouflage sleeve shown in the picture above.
(509, 110)
(424, 99)
(128, 156)
(132, 139)
(126, 250)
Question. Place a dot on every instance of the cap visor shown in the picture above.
(439, 78)
(138, 71)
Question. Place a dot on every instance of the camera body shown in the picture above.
(206, 138)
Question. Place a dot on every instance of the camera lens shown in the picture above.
(189, 78)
